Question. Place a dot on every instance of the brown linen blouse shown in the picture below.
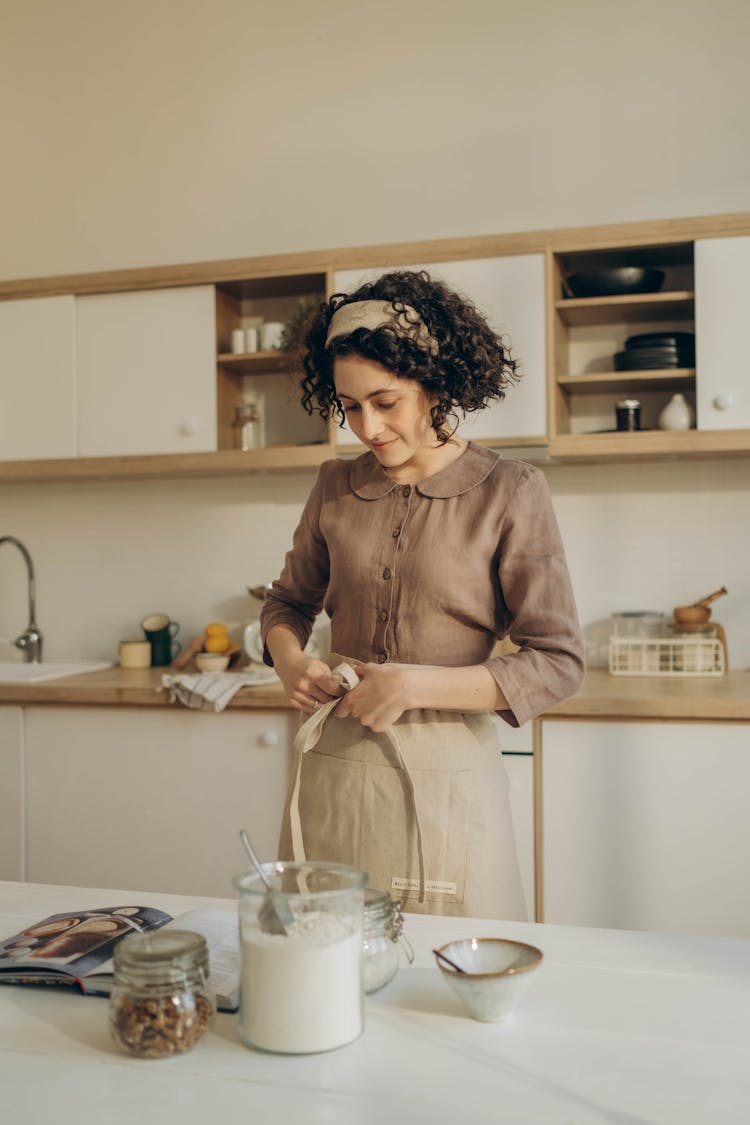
(435, 573)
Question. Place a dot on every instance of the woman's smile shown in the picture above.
(392, 417)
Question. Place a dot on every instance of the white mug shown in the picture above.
(270, 335)
(238, 341)
(251, 339)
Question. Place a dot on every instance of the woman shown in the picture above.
(423, 552)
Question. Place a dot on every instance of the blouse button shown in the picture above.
(396, 532)
(383, 615)
(387, 572)
(382, 658)
(406, 490)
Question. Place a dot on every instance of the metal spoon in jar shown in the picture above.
(274, 916)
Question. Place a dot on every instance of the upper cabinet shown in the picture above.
(722, 274)
(145, 372)
(37, 376)
(510, 292)
(192, 370)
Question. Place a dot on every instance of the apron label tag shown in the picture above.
(434, 886)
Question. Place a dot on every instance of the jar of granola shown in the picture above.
(162, 1000)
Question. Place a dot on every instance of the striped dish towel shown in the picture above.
(212, 691)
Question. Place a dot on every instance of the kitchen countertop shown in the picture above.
(710, 699)
(619, 1027)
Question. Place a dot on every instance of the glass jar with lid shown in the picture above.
(162, 1000)
(383, 929)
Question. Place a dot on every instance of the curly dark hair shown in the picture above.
(471, 366)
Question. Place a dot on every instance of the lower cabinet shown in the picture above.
(152, 800)
(645, 826)
(11, 793)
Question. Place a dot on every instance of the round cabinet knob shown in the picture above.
(723, 401)
(269, 738)
(189, 427)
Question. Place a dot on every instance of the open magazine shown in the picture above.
(76, 948)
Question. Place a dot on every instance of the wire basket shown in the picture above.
(667, 656)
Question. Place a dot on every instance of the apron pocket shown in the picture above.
(362, 812)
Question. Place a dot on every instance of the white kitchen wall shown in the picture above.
(637, 537)
(165, 131)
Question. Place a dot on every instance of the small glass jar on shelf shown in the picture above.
(250, 421)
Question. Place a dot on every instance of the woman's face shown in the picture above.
(390, 415)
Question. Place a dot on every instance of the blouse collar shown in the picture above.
(370, 481)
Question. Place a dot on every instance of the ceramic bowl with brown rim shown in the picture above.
(496, 974)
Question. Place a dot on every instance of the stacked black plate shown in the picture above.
(656, 350)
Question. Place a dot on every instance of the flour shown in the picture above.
(302, 991)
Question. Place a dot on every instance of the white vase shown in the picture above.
(676, 415)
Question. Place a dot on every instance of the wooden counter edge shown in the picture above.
(128, 688)
(660, 698)
(604, 697)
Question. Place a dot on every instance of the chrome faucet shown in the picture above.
(30, 641)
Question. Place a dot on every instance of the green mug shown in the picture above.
(160, 631)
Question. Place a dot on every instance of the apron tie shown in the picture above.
(307, 738)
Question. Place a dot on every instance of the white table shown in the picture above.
(620, 1027)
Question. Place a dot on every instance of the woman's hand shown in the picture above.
(308, 683)
(381, 696)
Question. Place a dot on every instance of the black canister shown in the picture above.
(628, 414)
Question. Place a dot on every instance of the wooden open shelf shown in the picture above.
(255, 363)
(637, 307)
(652, 379)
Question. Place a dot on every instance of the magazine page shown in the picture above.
(220, 928)
(77, 943)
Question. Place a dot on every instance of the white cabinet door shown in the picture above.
(121, 797)
(37, 377)
(646, 827)
(147, 372)
(722, 274)
(510, 292)
(11, 793)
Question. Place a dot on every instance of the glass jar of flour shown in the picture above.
(301, 984)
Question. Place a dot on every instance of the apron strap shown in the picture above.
(307, 738)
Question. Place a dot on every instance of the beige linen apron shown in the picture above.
(422, 807)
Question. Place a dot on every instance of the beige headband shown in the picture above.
(405, 322)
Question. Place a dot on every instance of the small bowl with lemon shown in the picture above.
(211, 661)
(218, 650)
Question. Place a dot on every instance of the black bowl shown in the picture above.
(639, 359)
(615, 282)
(662, 340)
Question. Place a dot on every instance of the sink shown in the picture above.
(16, 672)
